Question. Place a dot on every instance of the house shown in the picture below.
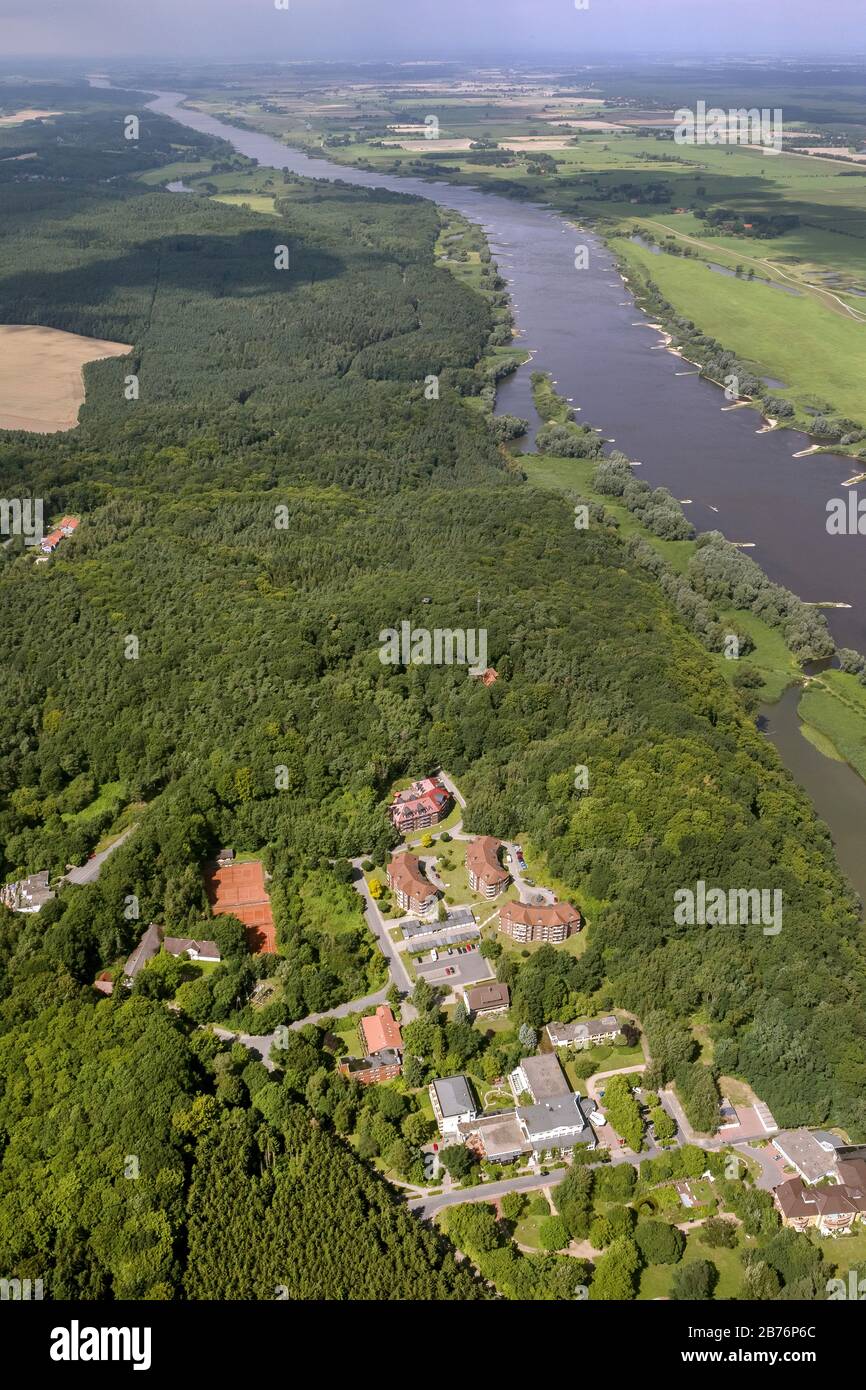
(413, 891)
(499, 1138)
(146, 949)
(486, 874)
(28, 894)
(65, 527)
(812, 1155)
(485, 1000)
(383, 1066)
(585, 1032)
(196, 950)
(423, 804)
(225, 857)
(380, 1032)
(831, 1210)
(103, 984)
(542, 1077)
(453, 1104)
(550, 922)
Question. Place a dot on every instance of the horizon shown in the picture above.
(241, 31)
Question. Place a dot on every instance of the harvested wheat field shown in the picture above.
(31, 114)
(41, 383)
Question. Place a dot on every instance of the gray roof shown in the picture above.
(386, 1058)
(461, 917)
(454, 1095)
(545, 1076)
(559, 1110)
(806, 1152)
(501, 1135)
(144, 951)
(583, 1029)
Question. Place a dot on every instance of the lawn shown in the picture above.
(110, 794)
(796, 339)
(835, 706)
(656, 1280)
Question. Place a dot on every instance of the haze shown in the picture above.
(404, 29)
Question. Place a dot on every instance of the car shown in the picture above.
(530, 882)
(450, 950)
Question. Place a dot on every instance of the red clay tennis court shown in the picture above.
(239, 890)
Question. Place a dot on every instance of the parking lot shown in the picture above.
(470, 968)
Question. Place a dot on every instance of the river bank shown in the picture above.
(580, 327)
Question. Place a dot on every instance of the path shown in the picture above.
(90, 871)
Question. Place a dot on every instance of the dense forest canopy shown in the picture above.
(303, 390)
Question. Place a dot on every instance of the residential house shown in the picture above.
(425, 803)
(225, 857)
(380, 1032)
(832, 1209)
(812, 1154)
(413, 891)
(486, 874)
(196, 950)
(485, 1000)
(64, 527)
(146, 949)
(382, 1066)
(28, 894)
(549, 922)
(584, 1033)
(453, 1104)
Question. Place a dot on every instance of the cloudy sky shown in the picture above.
(239, 29)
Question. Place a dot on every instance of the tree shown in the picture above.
(375, 886)
(553, 1233)
(458, 1160)
(473, 1227)
(528, 1038)
(695, 1280)
(718, 1233)
(664, 1125)
(760, 1282)
(659, 1242)
(614, 1277)
(512, 1205)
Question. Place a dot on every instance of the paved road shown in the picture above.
(378, 926)
(90, 871)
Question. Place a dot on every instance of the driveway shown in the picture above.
(90, 871)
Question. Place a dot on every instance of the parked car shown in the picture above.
(450, 950)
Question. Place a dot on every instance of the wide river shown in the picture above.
(583, 327)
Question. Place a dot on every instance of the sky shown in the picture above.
(428, 29)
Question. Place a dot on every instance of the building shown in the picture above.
(586, 1032)
(413, 891)
(541, 1077)
(196, 950)
(831, 1210)
(486, 874)
(499, 1138)
(64, 527)
(453, 1104)
(28, 894)
(812, 1155)
(380, 1032)
(146, 949)
(423, 804)
(485, 1000)
(225, 857)
(550, 922)
(384, 1066)
(556, 1123)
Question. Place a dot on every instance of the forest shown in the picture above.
(281, 491)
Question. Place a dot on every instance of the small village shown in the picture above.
(446, 909)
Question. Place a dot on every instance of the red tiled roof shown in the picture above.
(482, 857)
(381, 1030)
(404, 872)
(547, 915)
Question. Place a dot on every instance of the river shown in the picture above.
(583, 327)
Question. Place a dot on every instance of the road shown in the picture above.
(90, 871)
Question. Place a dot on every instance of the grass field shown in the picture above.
(834, 707)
